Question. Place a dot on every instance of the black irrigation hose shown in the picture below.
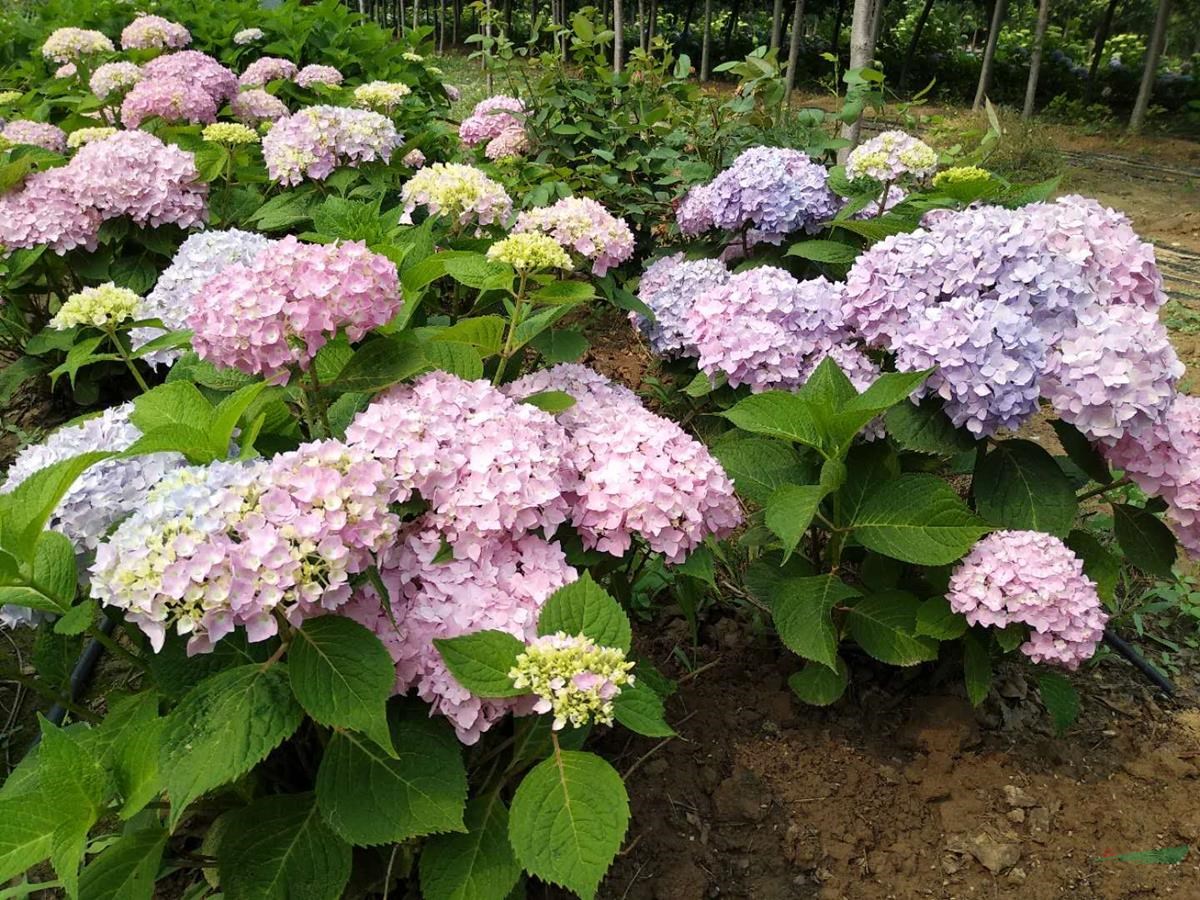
(1125, 649)
(80, 676)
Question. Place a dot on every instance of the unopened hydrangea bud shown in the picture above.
(102, 307)
(381, 96)
(890, 156)
(229, 133)
(7, 97)
(528, 251)
(574, 678)
(83, 136)
(412, 57)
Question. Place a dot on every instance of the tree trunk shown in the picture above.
(1035, 60)
(877, 25)
(1153, 51)
(1102, 33)
(487, 32)
(653, 29)
(618, 36)
(989, 54)
(731, 27)
(862, 30)
(836, 39)
(777, 25)
(914, 42)
(706, 45)
(686, 31)
(794, 48)
(641, 24)
(457, 22)
(441, 41)
(416, 13)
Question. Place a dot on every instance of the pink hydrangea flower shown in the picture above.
(312, 75)
(507, 145)
(317, 139)
(582, 226)
(669, 287)
(266, 69)
(171, 99)
(1033, 579)
(414, 158)
(277, 311)
(491, 118)
(148, 32)
(195, 67)
(255, 106)
(36, 134)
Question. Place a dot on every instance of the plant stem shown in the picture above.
(37, 687)
(318, 401)
(114, 647)
(1105, 488)
(517, 314)
(137, 376)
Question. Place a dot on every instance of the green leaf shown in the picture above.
(819, 685)
(886, 391)
(868, 467)
(937, 620)
(1010, 638)
(69, 774)
(833, 252)
(192, 442)
(462, 360)
(539, 322)
(55, 572)
(476, 271)
(925, 428)
(25, 510)
(1144, 539)
(776, 414)
(790, 510)
(483, 332)
(583, 607)
(369, 798)
(550, 401)
(222, 728)
(1166, 856)
(380, 363)
(640, 710)
(569, 817)
(476, 865)
(977, 667)
(1060, 698)
(278, 848)
(126, 869)
(700, 565)
(919, 519)
(226, 416)
(343, 676)
(758, 466)
(1098, 563)
(559, 292)
(78, 618)
(129, 740)
(803, 612)
(1019, 485)
(481, 661)
(1081, 451)
(82, 354)
(28, 820)
(173, 403)
(885, 624)
(559, 345)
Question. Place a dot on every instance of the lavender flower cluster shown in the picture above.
(35, 134)
(148, 32)
(498, 121)
(584, 227)
(314, 74)
(266, 69)
(1031, 578)
(195, 67)
(170, 99)
(130, 173)
(256, 106)
(317, 139)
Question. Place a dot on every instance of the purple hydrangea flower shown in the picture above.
(670, 286)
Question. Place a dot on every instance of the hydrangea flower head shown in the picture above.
(66, 70)
(197, 68)
(670, 286)
(69, 44)
(278, 310)
(507, 145)
(7, 97)
(314, 74)
(1034, 579)
(171, 99)
(256, 105)
(105, 306)
(529, 251)
(148, 32)
(35, 134)
(266, 69)
(694, 214)
(248, 36)
(460, 193)
(582, 226)
(381, 96)
(81, 136)
(490, 118)
(113, 78)
(891, 156)
(957, 176)
(414, 158)
(317, 139)
(229, 133)
(573, 677)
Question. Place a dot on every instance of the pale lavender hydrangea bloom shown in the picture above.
(501, 588)
(255, 106)
(69, 44)
(582, 226)
(114, 77)
(312, 75)
(154, 33)
(35, 134)
(67, 70)
(414, 158)
(491, 118)
(1034, 579)
(639, 474)
(266, 69)
(317, 139)
(196, 67)
(248, 36)
(507, 145)
(488, 466)
(891, 156)
(198, 259)
(670, 286)
(171, 99)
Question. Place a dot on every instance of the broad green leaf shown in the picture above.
(919, 519)
(70, 775)
(569, 817)
(886, 391)
(558, 292)
(925, 428)
(1098, 563)
(559, 345)
(640, 710)
(977, 667)
(462, 360)
(486, 333)
(126, 869)
(82, 353)
(868, 467)
(227, 415)
(343, 676)
(481, 661)
(776, 414)
(476, 865)
(25, 595)
(937, 620)
(1061, 699)
(55, 571)
(885, 624)
(27, 824)
(173, 403)
(1144, 539)
(1019, 485)
(819, 685)
(78, 618)
(539, 322)
(1081, 451)
(192, 442)
(25, 510)
(803, 612)
(699, 564)
(476, 271)
(370, 798)
(190, 367)
(790, 510)
(834, 252)
(583, 607)
(550, 401)
(758, 466)
(278, 848)
(380, 363)
(129, 740)
(222, 728)
(1010, 638)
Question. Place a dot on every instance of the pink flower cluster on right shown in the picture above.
(1031, 578)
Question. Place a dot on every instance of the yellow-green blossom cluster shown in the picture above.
(573, 677)
(890, 156)
(413, 57)
(102, 307)
(10, 97)
(530, 250)
(961, 175)
(82, 136)
(229, 133)
(381, 95)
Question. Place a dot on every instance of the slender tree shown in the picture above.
(641, 24)
(877, 24)
(1102, 32)
(777, 25)
(686, 31)
(836, 39)
(989, 54)
(618, 36)
(1154, 50)
(794, 48)
(1035, 59)
(731, 27)
(913, 42)
(706, 46)
(652, 30)
(862, 30)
